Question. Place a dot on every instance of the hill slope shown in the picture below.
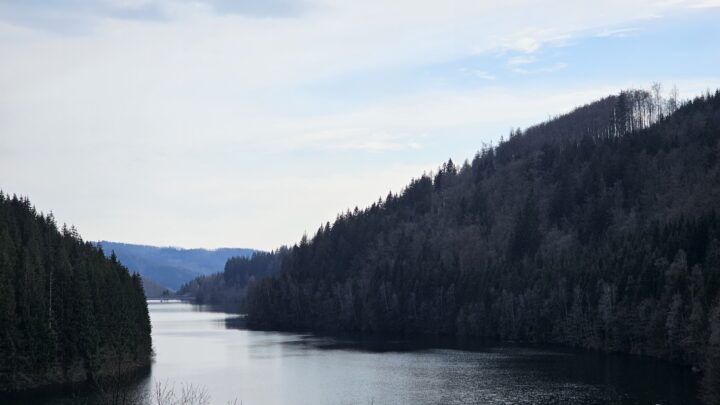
(153, 289)
(596, 229)
(67, 313)
(172, 267)
(228, 289)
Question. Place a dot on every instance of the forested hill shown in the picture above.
(172, 267)
(596, 229)
(228, 289)
(67, 313)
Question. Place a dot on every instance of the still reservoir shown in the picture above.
(208, 349)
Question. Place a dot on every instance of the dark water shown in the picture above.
(203, 348)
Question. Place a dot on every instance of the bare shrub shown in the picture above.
(165, 393)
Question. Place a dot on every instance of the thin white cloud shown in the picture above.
(706, 4)
(543, 69)
(525, 44)
(375, 146)
(480, 74)
(616, 32)
(521, 60)
(483, 75)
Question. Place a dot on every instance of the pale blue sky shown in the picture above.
(224, 123)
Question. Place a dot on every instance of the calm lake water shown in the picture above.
(195, 345)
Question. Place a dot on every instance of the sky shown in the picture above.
(219, 123)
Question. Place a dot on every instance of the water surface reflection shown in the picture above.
(210, 349)
(281, 368)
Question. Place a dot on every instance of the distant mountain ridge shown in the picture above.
(171, 267)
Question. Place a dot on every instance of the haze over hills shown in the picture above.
(154, 290)
(171, 267)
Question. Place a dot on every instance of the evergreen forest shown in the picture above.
(597, 229)
(67, 313)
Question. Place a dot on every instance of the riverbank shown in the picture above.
(113, 372)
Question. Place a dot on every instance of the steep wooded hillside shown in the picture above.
(596, 229)
(228, 289)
